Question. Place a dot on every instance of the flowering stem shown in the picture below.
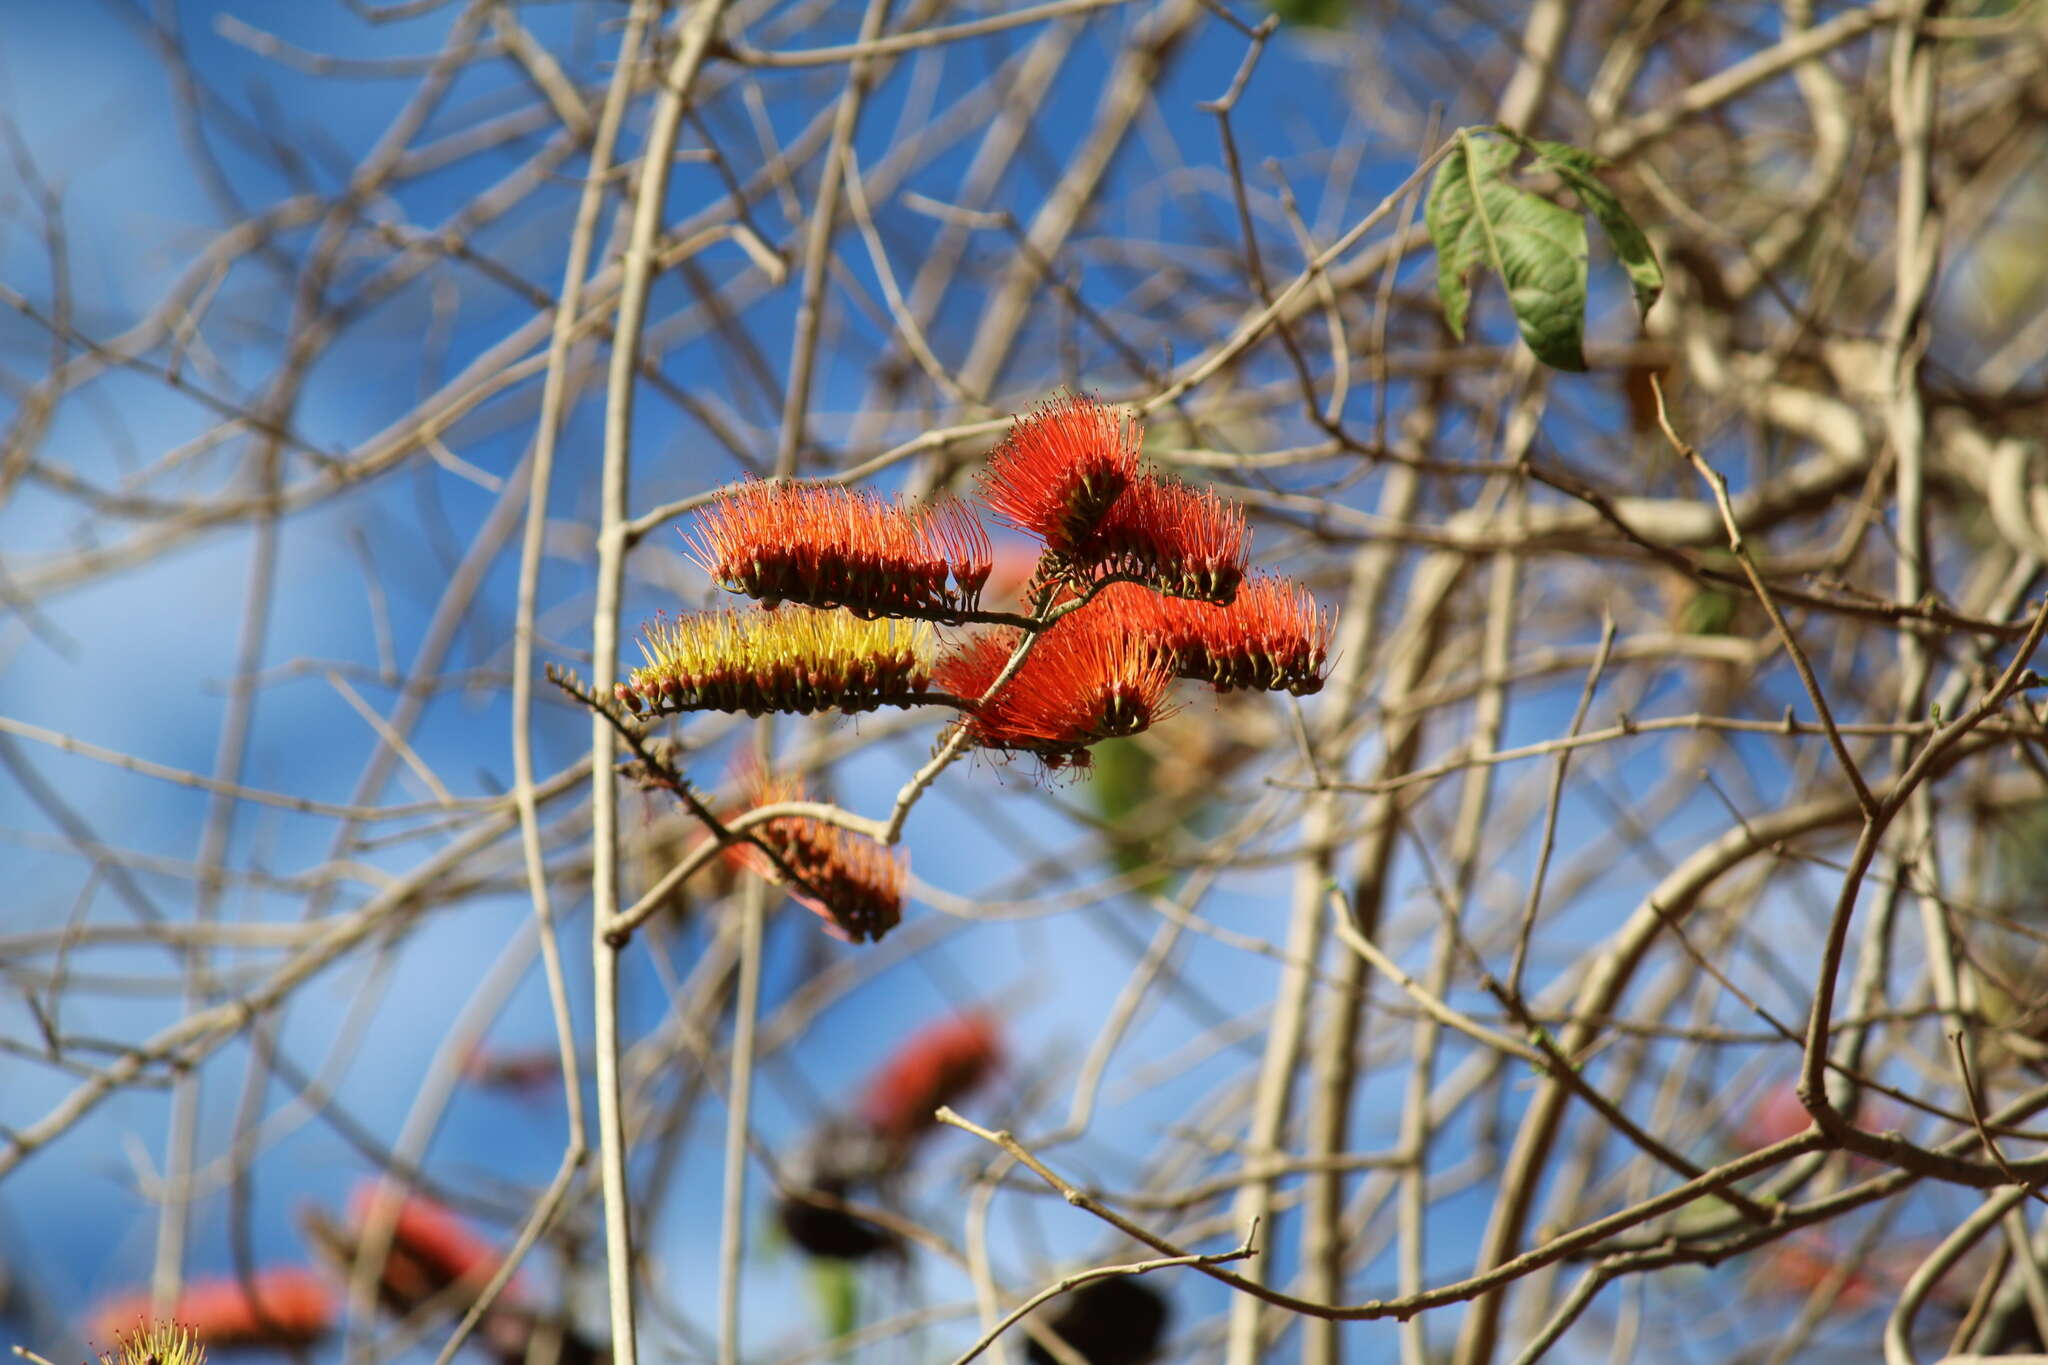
(1041, 621)
(617, 930)
(902, 700)
(627, 921)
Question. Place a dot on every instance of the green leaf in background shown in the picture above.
(1451, 214)
(1475, 215)
(1576, 168)
(1312, 13)
(838, 1293)
(1122, 781)
(2020, 869)
(1709, 611)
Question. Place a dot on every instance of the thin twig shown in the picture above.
(1550, 808)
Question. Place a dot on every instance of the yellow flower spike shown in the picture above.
(791, 659)
(160, 1343)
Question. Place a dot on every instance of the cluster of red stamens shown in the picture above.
(848, 880)
(1182, 541)
(1068, 474)
(1061, 469)
(1271, 637)
(1163, 565)
(1087, 679)
(795, 660)
(835, 547)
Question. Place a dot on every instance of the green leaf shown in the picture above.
(1538, 250)
(1709, 611)
(1576, 168)
(1451, 215)
(1121, 783)
(1313, 13)
(838, 1293)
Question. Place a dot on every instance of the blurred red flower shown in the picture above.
(432, 1248)
(939, 1064)
(293, 1306)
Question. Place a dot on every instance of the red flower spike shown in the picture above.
(972, 668)
(431, 1247)
(1088, 679)
(298, 1308)
(835, 547)
(970, 555)
(1271, 637)
(1182, 541)
(939, 1064)
(858, 883)
(1063, 465)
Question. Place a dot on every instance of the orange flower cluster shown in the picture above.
(1175, 539)
(1068, 474)
(836, 547)
(1087, 679)
(848, 880)
(1163, 565)
(1103, 670)
(1061, 469)
(793, 660)
(1271, 637)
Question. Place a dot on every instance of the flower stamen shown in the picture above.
(827, 546)
(846, 879)
(1063, 465)
(1088, 679)
(795, 661)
